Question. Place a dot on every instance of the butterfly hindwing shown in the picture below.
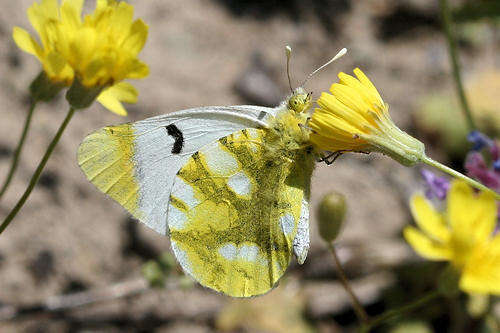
(135, 163)
(234, 214)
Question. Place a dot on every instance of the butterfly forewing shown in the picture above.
(234, 213)
(135, 163)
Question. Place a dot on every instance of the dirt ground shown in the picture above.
(69, 237)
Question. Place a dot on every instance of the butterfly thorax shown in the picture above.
(288, 134)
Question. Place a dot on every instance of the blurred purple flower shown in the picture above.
(476, 165)
(437, 187)
(496, 165)
(477, 168)
(479, 140)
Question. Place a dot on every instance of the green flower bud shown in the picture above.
(153, 273)
(80, 96)
(167, 262)
(43, 89)
(331, 214)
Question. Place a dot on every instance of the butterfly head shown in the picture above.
(299, 101)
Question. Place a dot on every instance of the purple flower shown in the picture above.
(496, 165)
(476, 168)
(476, 165)
(436, 186)
(479, 140)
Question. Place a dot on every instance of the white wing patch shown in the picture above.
(287, 223)
(301, 240)
(185, 193)
(229, 251)
(182, 257)
(221, 163)
(240, 183)
(177, 219)
(246, 252)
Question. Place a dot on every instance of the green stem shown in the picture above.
(458, 175)
(393, 313)
(38, 172)
(17, 152)
(358, 308)
(452, 50)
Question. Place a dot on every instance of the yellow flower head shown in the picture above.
(99, 50)
(463, 235)
(355, 118)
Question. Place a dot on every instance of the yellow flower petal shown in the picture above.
(137, 70)
(39, 13)
(430, 221)
(71, 11)
(112, 97)
(331, 104)
(100, 6)
(425, 246)
(122, 16)
(350, 98)
(467, 242)
(367, 83)
(366, 94)
(55, 64)
(101, 49)
(458, 202)
(482, 272)
(472, 217)
(358, 104)
(26, 43)
(137, 37)
(334, 122)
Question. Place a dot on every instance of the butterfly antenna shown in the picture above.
(340, 54)
(288, 51)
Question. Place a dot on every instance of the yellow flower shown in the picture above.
(463, 235)
(355, 118)
(99, 50)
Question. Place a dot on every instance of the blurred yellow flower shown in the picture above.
(463, 235)
(99, 50)
(355, 118)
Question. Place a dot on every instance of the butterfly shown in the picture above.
(229, 185)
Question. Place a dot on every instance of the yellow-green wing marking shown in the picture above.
(234, 213)
(106, 157)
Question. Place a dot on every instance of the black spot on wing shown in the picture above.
(174, 132)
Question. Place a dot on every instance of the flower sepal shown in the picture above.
(44, 89)
(398, 145)
(81, 97)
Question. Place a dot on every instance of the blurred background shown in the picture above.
(73, 260)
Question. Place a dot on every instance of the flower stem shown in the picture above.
(358, 308)
(450, 171)
(38, 172)
(17, 152)
(393, 313)
(452, 50)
